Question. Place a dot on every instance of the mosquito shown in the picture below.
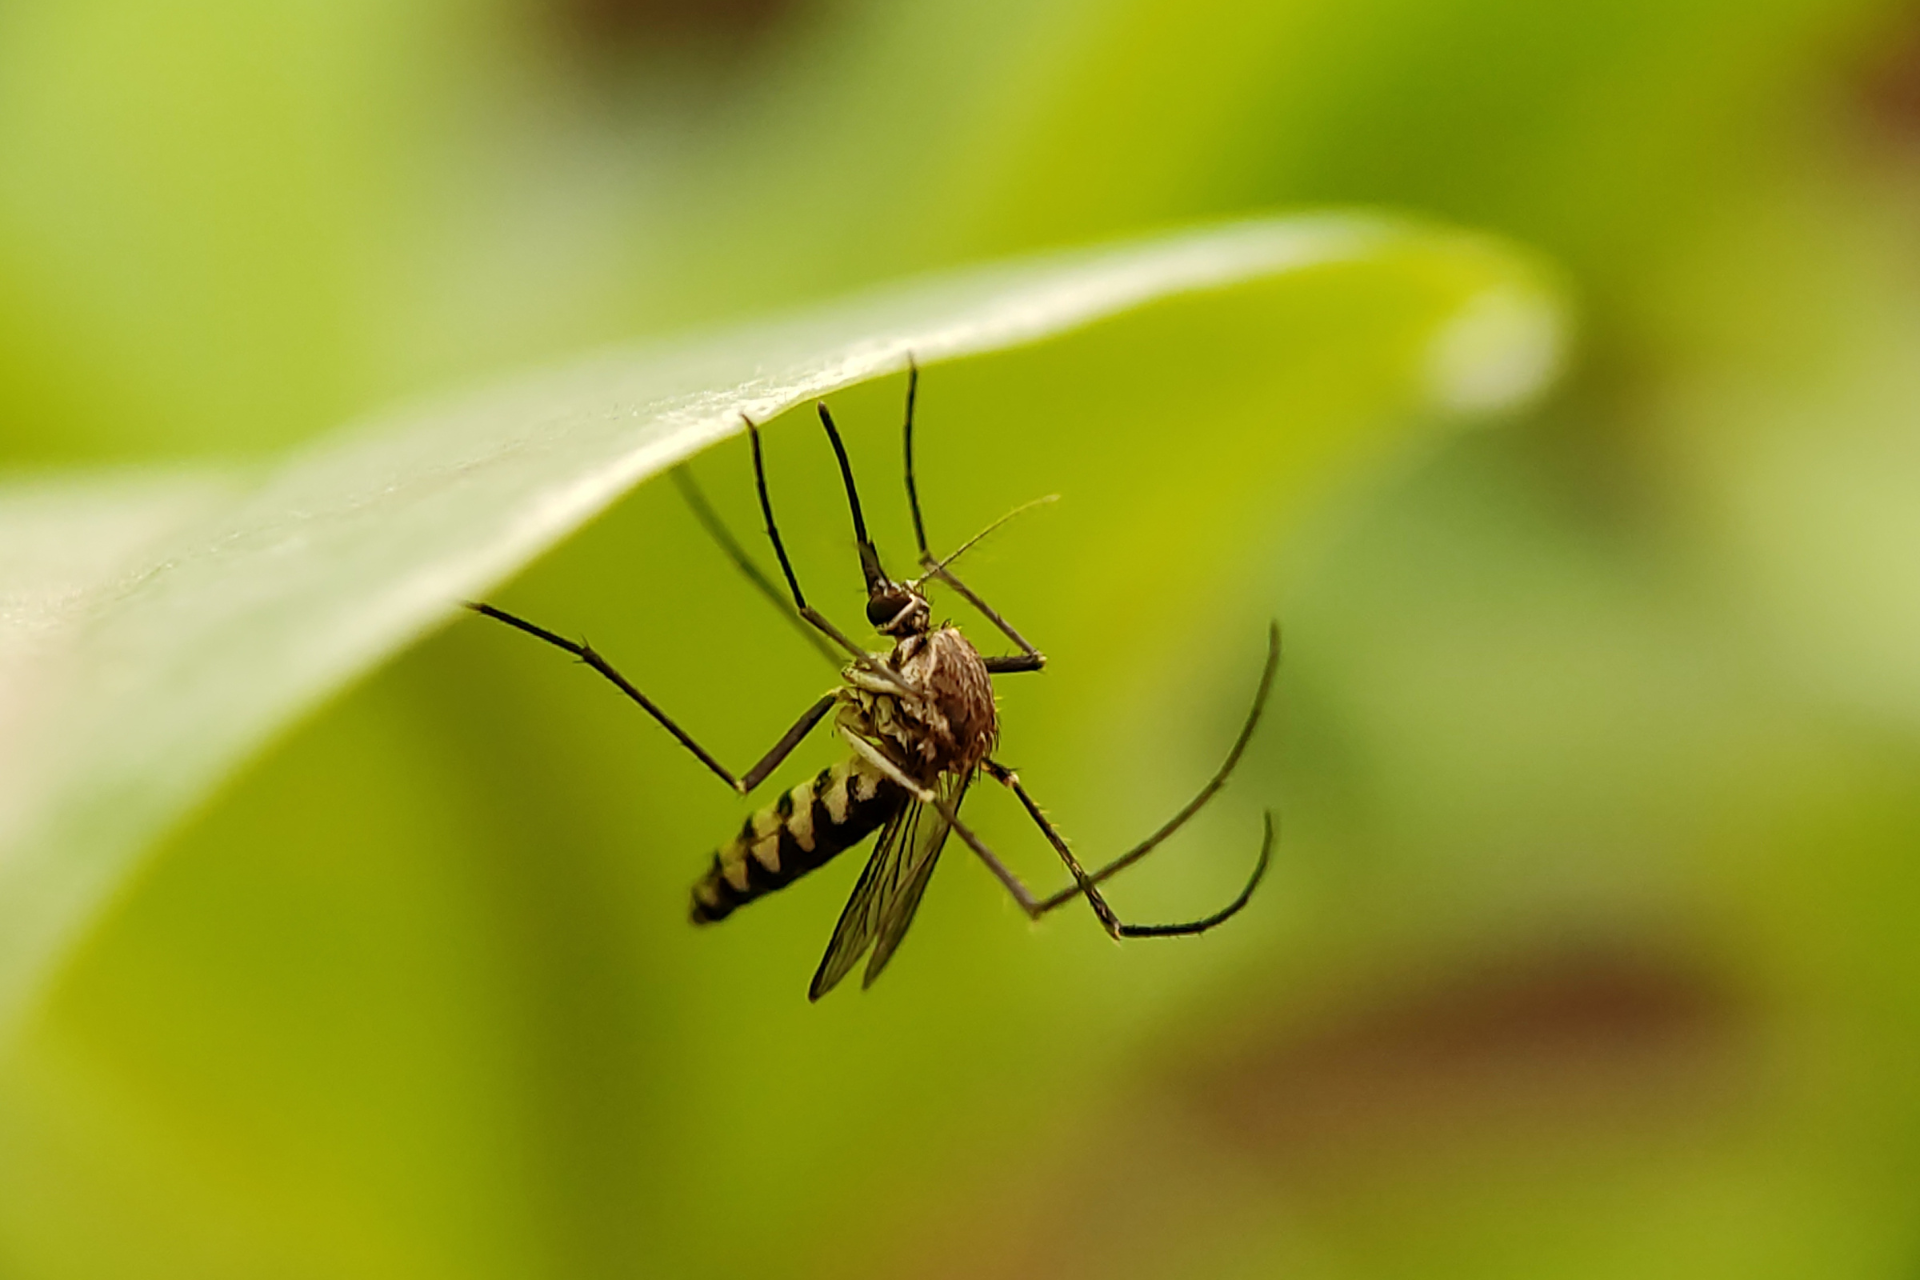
(922, 725)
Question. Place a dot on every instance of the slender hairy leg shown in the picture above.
(1192, 806)
(800, 604)
(861, 657)
(1083, 883)
(585, 652)
(1029, 658)
(926, 795)
(716, 529)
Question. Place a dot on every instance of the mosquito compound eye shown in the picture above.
(885, 607)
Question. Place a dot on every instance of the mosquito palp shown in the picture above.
(921, 722)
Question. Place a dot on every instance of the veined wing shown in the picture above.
(861, 916)
(883, 902)
(928, 838)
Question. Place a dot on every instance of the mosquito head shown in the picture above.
(897, 609)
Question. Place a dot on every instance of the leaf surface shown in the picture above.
(157, 630)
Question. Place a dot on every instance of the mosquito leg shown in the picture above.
(812, 615)
(818, 620)
(788, 741)
(585, 652)
(1034, 907)
(1021, 894)
(1001, 872)
(1199, 800)
(878, 759)
(1029, 658)
(717, 530)
(1085, 884)
(925, 795)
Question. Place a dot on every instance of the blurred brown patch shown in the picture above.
(1889, 82)
(598, 24)
(1566, 1038)
(1507, 1065)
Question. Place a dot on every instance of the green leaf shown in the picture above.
(158, 630)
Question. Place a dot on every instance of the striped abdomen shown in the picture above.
(837, 809)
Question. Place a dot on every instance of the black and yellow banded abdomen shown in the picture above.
(833, 811)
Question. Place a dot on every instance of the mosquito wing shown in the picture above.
(928, 838)
(889, 890)
(861, 916)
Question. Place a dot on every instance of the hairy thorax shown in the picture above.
(949, 726)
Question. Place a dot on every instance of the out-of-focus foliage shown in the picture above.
(1588, 951)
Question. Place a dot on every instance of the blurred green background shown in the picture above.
(1589, 947)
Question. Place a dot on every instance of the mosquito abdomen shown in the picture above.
(833, 811)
